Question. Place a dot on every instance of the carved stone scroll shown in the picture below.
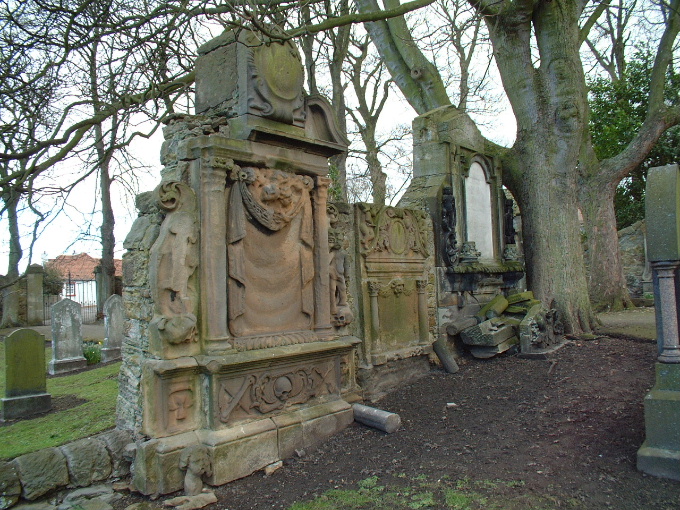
(394, 231)
(449, 243)
(173, 263)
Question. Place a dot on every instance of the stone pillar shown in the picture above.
(34, 295)
(373, 291)
(213, 249)
(660, 453)
(423, 329)
(322, 306)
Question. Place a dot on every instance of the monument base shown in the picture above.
(239, 451)
(660, 453)
(28, 405)
(64, 366)
(110, 354)
(390, 372)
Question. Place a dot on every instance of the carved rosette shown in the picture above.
(392, 231)
(257, 394)
(172, 266)
(275, 85)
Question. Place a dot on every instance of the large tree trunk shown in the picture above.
(606, 283)
(108, 239)
(10, 294)
(550, 106)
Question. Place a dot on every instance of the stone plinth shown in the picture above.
(660, 453)
(25, 380)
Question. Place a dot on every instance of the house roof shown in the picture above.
(81, 267)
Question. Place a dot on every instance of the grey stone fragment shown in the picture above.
(662, 213)
(88, 461)
(446, 355)
(488, 333)
(41, 471)
(114, 317)
(376, 418)
(10, 486)
(86, 504)
(115, 441)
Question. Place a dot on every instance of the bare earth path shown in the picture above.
(567, 428)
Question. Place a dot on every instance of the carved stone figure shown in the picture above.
(195, 460)
(508, 220)
(469, 253)
(172, 265)
(339, 272)
(270, 252)
(449, 243)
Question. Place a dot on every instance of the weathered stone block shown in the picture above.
(10, 486)
(88, 461)
(115, 442)
(520, 296)
(488, 333)
(41, 471)
(662, 213)
(255, 445)
(489, 352)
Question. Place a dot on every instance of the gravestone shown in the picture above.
(67, 338)
(25, 379)
(114, 317)
(34, 295)
(660, 453)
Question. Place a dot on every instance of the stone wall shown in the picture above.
(76, 464)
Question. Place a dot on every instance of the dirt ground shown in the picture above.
(567, 427)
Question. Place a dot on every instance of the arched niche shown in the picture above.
(479, 210)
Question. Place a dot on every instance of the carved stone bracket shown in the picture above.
(393, 231)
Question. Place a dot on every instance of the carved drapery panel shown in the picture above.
(256, 394)
(270, 252)
(172, 266)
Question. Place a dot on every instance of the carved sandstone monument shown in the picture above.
(236, 340)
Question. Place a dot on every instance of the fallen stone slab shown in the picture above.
(493, 308)
(490, 352)
(455, 327)
(488, 333)
(520, 296)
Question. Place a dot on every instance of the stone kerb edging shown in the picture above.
(77, 464)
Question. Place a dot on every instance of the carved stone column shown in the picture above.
(213, 264)
(373, 291)
(322, 311)
(423, 329)
(666, 273)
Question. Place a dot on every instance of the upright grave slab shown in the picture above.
(236, 335)
(67, 338)
(660, 453)
(114, 322)
(25, 379)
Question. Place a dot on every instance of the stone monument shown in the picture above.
(67, 338)
(25, 379)
(114, 317)
(457, 180)
(660, 453)
(236, 332)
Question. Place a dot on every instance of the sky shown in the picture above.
(76, 228)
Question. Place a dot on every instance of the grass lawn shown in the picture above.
(98, 387)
